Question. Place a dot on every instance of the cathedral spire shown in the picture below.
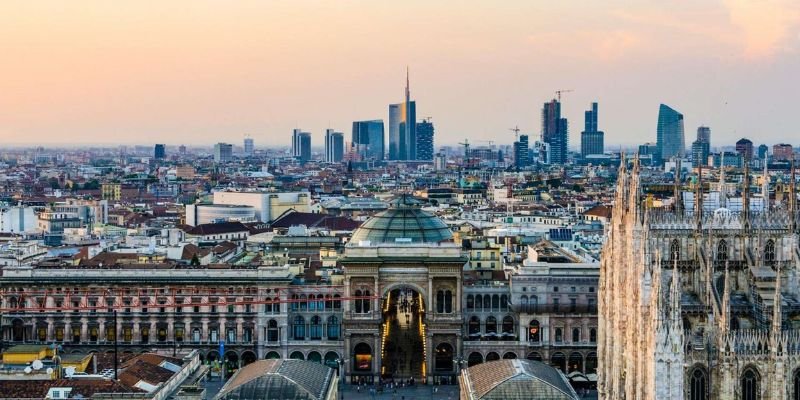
(765, 187)
(746, 194)
(698, 198)
(675, 297)
(726, 301)
(776, 303)
(792, 198)
(723, 190)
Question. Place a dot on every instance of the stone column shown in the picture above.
(376, 359)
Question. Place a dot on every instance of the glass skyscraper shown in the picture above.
(555, 132)
(334, 146)
(701, 147)
(301, 145)
(403, 128)
(670, 141)
(591, 138)
(368, 140)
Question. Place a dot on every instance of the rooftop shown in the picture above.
(403, 222)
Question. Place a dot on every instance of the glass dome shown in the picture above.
(403, 222)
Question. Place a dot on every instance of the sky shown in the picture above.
(199, 72)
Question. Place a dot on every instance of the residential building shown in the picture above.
(744, 147)
(424, 143)
(782, 152)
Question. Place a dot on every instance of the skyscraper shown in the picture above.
(555, 132)
(403, 128)
(301, 145)
(670, 141)
(763, 152)
(701, 147)
(521, 159)
(368, 139)
(782, 152)
(248, 146)
(159, 152)
(223, 152)
(334, 146)
(425, 140)
(591, 138)
(744, 147)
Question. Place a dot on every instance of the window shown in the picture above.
(769, 251)
(491, 326)
(362, 301)
(573, 305)
(247, 335)
(145, 335)
(333, 328)
(697, 385)
(42, 333)
(555, 305)
(440, 301)
(508, 326)
(749, 385)
(674, 250)
(592, 305)
(316, 328)
(179, 334)
(503, 302)
(448, 301)
(495, 302)
(593, 335)
(272, 331)
(299, 328)
(576, 335)
(196, 335)
(231, 335)
(59, 334)
(534, 335)
(214, 335)
(470, 302)
(559, 335)
(555, 288)
(722, 251)
(474, 328)
(796, 385)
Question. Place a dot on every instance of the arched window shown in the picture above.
(508, 326)
(575, 362)
(362, 357)
(474, 327)
(559, 335)
(337, 302)
(320, 302)
(750, 383)
(478, 302)
(470, 302)
(272, 331)
(769, 251)
(722, 250)
(316, 327)
(475, 358)
(491, 326)
(448, 301)
(440, 301)
(333, 328)
(503, 302)
(299, 328)
(295, 302)
(534, 303)
(495, 303)
(576, 335)
(365, 302)
(559, 360)
(487, 303)
(674, 250)
(697, 385)
(534, 334)
(592, 335)
(796, 385)
(303, 303)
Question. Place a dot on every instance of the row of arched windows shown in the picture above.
(749, 384)
(487, 302)
(722, 251)
(490, 331)
(309, 302)
(362, 301)
(444, 301)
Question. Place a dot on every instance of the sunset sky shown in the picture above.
(199, 72)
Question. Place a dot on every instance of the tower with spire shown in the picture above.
(403, 127)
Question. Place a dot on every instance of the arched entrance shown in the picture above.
(248, 357)
(331, 360)
(296, 355)
(315, 357)
(403, 352)
(475, 358)
(444, 358)
(18, 330)
(231, 363)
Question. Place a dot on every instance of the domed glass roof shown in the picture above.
(403, 222)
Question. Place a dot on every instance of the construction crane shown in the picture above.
(516, 132)
(466, 152)
(558, 93)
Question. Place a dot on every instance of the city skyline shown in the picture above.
(99, 75)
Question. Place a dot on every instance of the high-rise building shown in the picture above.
(555, 132)
(334, 146)
(159, 152)
(182, 150)
(521, 159)
(425, 140)
(223, 152)
(591, 138)
(403, 128)
(301, 145)
(368, 139)
(248, 146)
(669, 134)
(701, 147)
(744, 147)
(763, 152)
(782, 152)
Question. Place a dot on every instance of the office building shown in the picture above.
(763, 152)
(669, 134)
(223, 152)
(744, 147)
(301, 145)
(701, 147)
(159, 152)
(368, 140)
(521, 156)
(555, 132)
(591, 138)
(266, 205)
(403, 128)
(334, 146)
(248, 146)
(424, 140)
(782, 152)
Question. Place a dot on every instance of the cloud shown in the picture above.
(766, 27)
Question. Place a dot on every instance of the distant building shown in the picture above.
(182, 150)
(403, 129)
(199, 214)
(763, 152)
(368, 139)
(555, 132)
(424, 140)
(701, 147)
(669, 134)
(301, 145)
(334, 146)
(267, 205)
(223, 152)
(521, 152)
(745, 148)
(159, 152)
(248, 146)
(782, 152)
(591, 138)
